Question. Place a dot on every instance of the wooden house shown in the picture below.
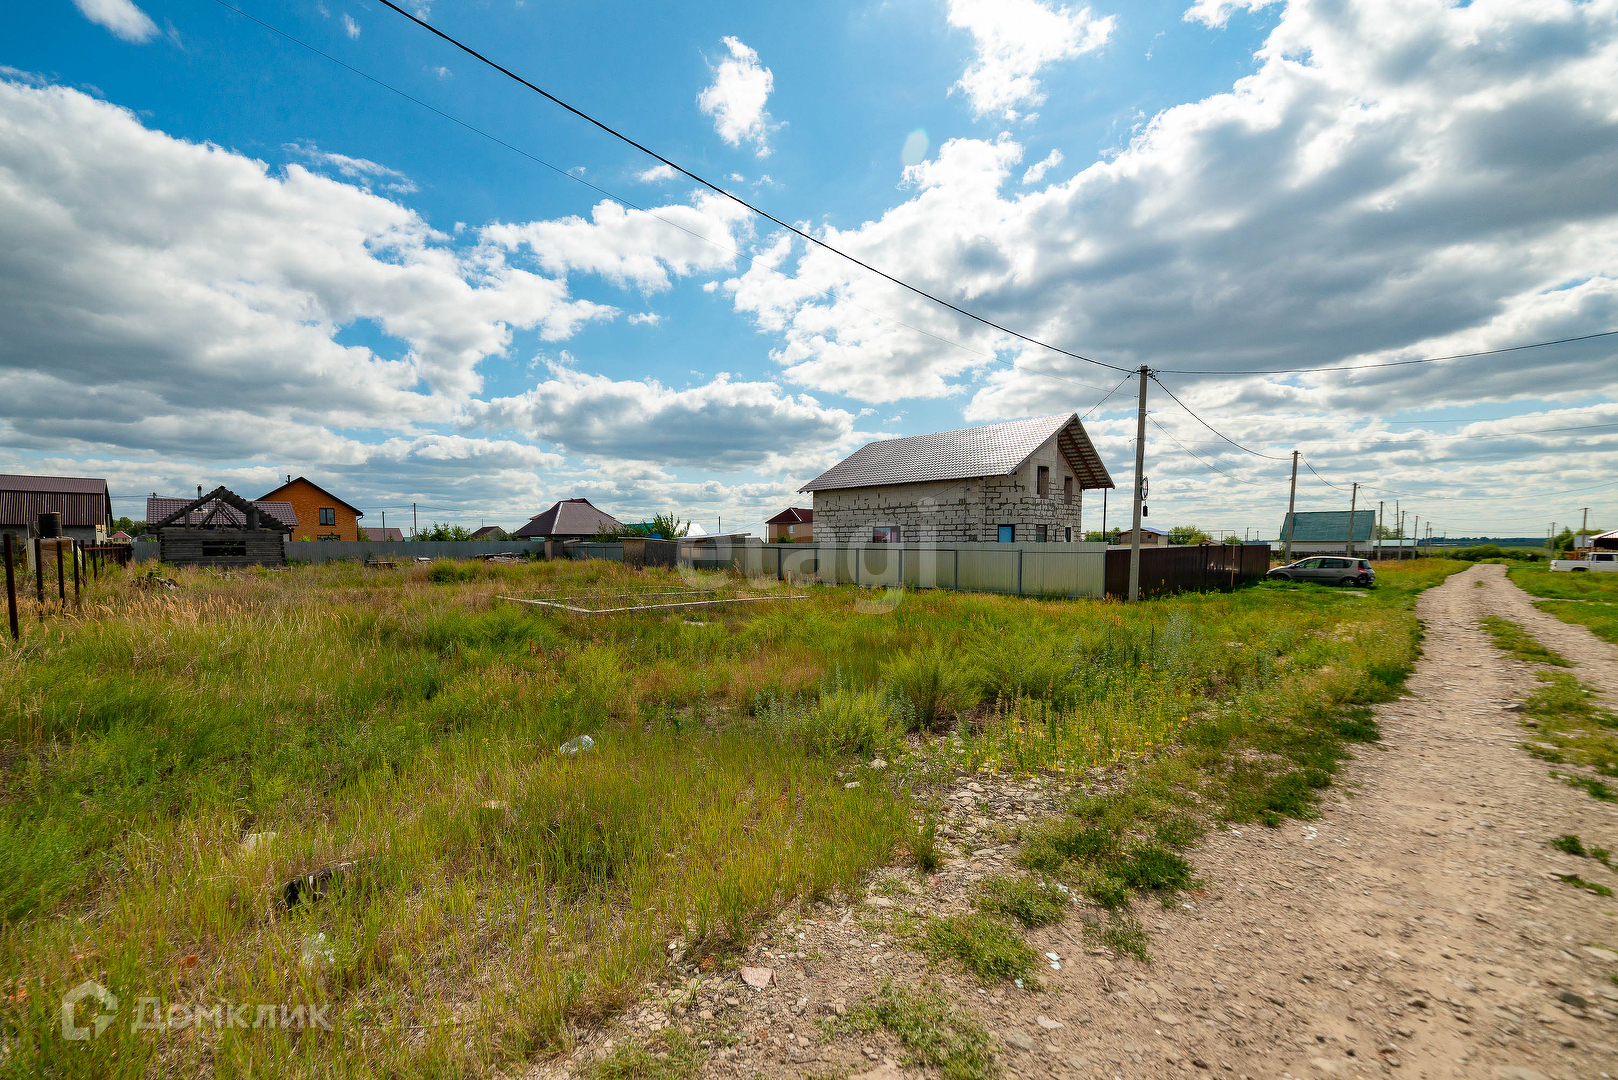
(221, 529)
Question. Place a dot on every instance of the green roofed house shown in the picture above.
(1326, 532)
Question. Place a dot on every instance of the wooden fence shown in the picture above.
(1168, 570)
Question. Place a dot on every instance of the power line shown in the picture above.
(1198, 456)
(711, 186)
(1391, 363)
(1209, 426)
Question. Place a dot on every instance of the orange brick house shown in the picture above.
(321, 515)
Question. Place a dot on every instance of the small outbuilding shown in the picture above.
(1328, 532)
(570, 519)
(83, 502)
(1149, 537)
(222, 529)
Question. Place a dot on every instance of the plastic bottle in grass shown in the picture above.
(578, 745)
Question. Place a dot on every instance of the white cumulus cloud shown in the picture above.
(350, 27)
(738, 98)
(122, 17)
(1015, 39)
(1036, 172)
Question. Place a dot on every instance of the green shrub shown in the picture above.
(933, 682)
(1028, 900)
(987, 947)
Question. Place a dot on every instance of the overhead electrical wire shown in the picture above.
(1393, 363)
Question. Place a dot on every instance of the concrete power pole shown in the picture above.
(1292, 501)
(1353, 502)
(1140, 465)
(1381, 509)
(1582, 530)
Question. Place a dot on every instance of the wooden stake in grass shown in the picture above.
(11, 590)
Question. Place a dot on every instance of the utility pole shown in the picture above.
(1582, 530)
(1292, 499)
(1381, 509)
(1415, 536)
(1140, 466)
(412, 521)
(1353, 502)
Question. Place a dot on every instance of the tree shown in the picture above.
(1095, 536)
(435, 531)
(360, 533)
(1386, 532)
(132, 526)
(1188, 534)
(1564, 540)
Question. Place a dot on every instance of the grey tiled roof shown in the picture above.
(1329, 526)
(992, 450)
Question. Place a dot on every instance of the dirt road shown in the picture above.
(1418, 929)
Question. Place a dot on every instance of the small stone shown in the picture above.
(255, 840)
(1570, 998)
(1606, 956)
(1049, 1024)
(705, 1014)
(732, 1001)
(1017, 1040)
(879, 901)
(878, 763)
(851, 784)
(1166, 1018)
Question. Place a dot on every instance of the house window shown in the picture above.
(1007, 534)
(1042, 481)
(328, 515)
(885, 534)
(1067, 490)
(1039, 534)
(1068, 538)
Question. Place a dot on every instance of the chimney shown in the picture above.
(199, 491)
(289, 478)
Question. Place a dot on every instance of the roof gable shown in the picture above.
(305, 480)
(223, 512)
(967, 453)
(792, 515)
(569, 517)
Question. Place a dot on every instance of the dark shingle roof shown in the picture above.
(1329, 526)
(992, 450)
(570, 517)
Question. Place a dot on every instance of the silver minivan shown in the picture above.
(1327, 570)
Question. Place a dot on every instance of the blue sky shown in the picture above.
(230, 258)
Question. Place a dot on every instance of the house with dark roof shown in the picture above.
(488, 532)
(1016, 482)
(320, 514)
(794, 525)
(570, 519)
(1149, 537)
(389, 533)
(84, 503)
(1328, 531)
(217, 512)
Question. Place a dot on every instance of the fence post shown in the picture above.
(61, 575)
(39, 573)
(11, 591)
(75, 573)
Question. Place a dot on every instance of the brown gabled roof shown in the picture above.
(357, 511)
(486, 531)
(83, 501)
(570, 517)
(223, 509)
(968, 453)
(792, 515)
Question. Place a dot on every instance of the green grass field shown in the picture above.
(1586, 599)
(170, 758)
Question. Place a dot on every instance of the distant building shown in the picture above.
(1149, 537)
(1327, 531)
(320, 514)
(1015, 482)
(389, 533)
(83, 502)
(218, 512)
(489, 532)
(794, 523)
(570, 519)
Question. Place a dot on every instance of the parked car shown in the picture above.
(1597, 561)
(1327, 570)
